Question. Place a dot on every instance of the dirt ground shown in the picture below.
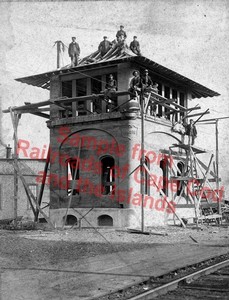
(48, 250)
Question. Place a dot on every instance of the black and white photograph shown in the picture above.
(114, 150)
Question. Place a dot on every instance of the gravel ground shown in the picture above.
(39, 247)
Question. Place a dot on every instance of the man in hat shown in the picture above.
(104, 46)
(109, 93)
(135, 46)
(146, 81)
(121, 33)
(135, 83)
(74, 52)
(191, 132)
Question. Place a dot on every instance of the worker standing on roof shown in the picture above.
(121, 33)
(104, 46)
(191, 132)
(135, 46)
(74, 52)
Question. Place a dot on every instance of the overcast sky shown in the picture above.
(190, 37)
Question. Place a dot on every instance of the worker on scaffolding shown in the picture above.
(146, 81)
(146, 84)
(74, 52)
(135, 85)
(191, 132)
(109, 93)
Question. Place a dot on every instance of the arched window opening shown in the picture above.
(105, 220)
(71, 220)
(107, 175)
(72, 176)
(164, 167)
(147, 177)
(180, 171)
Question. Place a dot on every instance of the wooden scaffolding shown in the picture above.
(147, 100)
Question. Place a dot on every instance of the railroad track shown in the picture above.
(208, 279)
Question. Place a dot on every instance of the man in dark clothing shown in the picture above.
(191, 132)
(109, 93)
(135, 83)
(135, 46)
(104, 46)
(146, 81)
(74, 52)
(111, 83)
(121, 33)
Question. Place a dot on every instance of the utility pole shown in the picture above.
(217, 162)
(59, 44)
(142, 161)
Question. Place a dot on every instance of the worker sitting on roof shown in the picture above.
(135, 46)
(135, 84)
(74, 52)
(104, 46)
(191, 132)
(121, 33)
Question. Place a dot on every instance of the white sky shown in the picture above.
(190, 37)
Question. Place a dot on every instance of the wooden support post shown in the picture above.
(217, 163)
(103, 103)
(142, 161)
(163, 95)
(39, 200)
(165, 197)
(89, 103)
(15, 120)
(74, 104)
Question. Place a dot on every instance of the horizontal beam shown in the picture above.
(214, 119)
(40, 115)
(64, 100)
(194, 115)
(88, 97)
(192, 108)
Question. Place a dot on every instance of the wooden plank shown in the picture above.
(185, 178)
(39, 199)
(41, 115)
(194, 115)
(193, 108)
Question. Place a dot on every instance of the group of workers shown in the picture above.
(120, 42)
(105, 46)
(138, 83)
(143, 84)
